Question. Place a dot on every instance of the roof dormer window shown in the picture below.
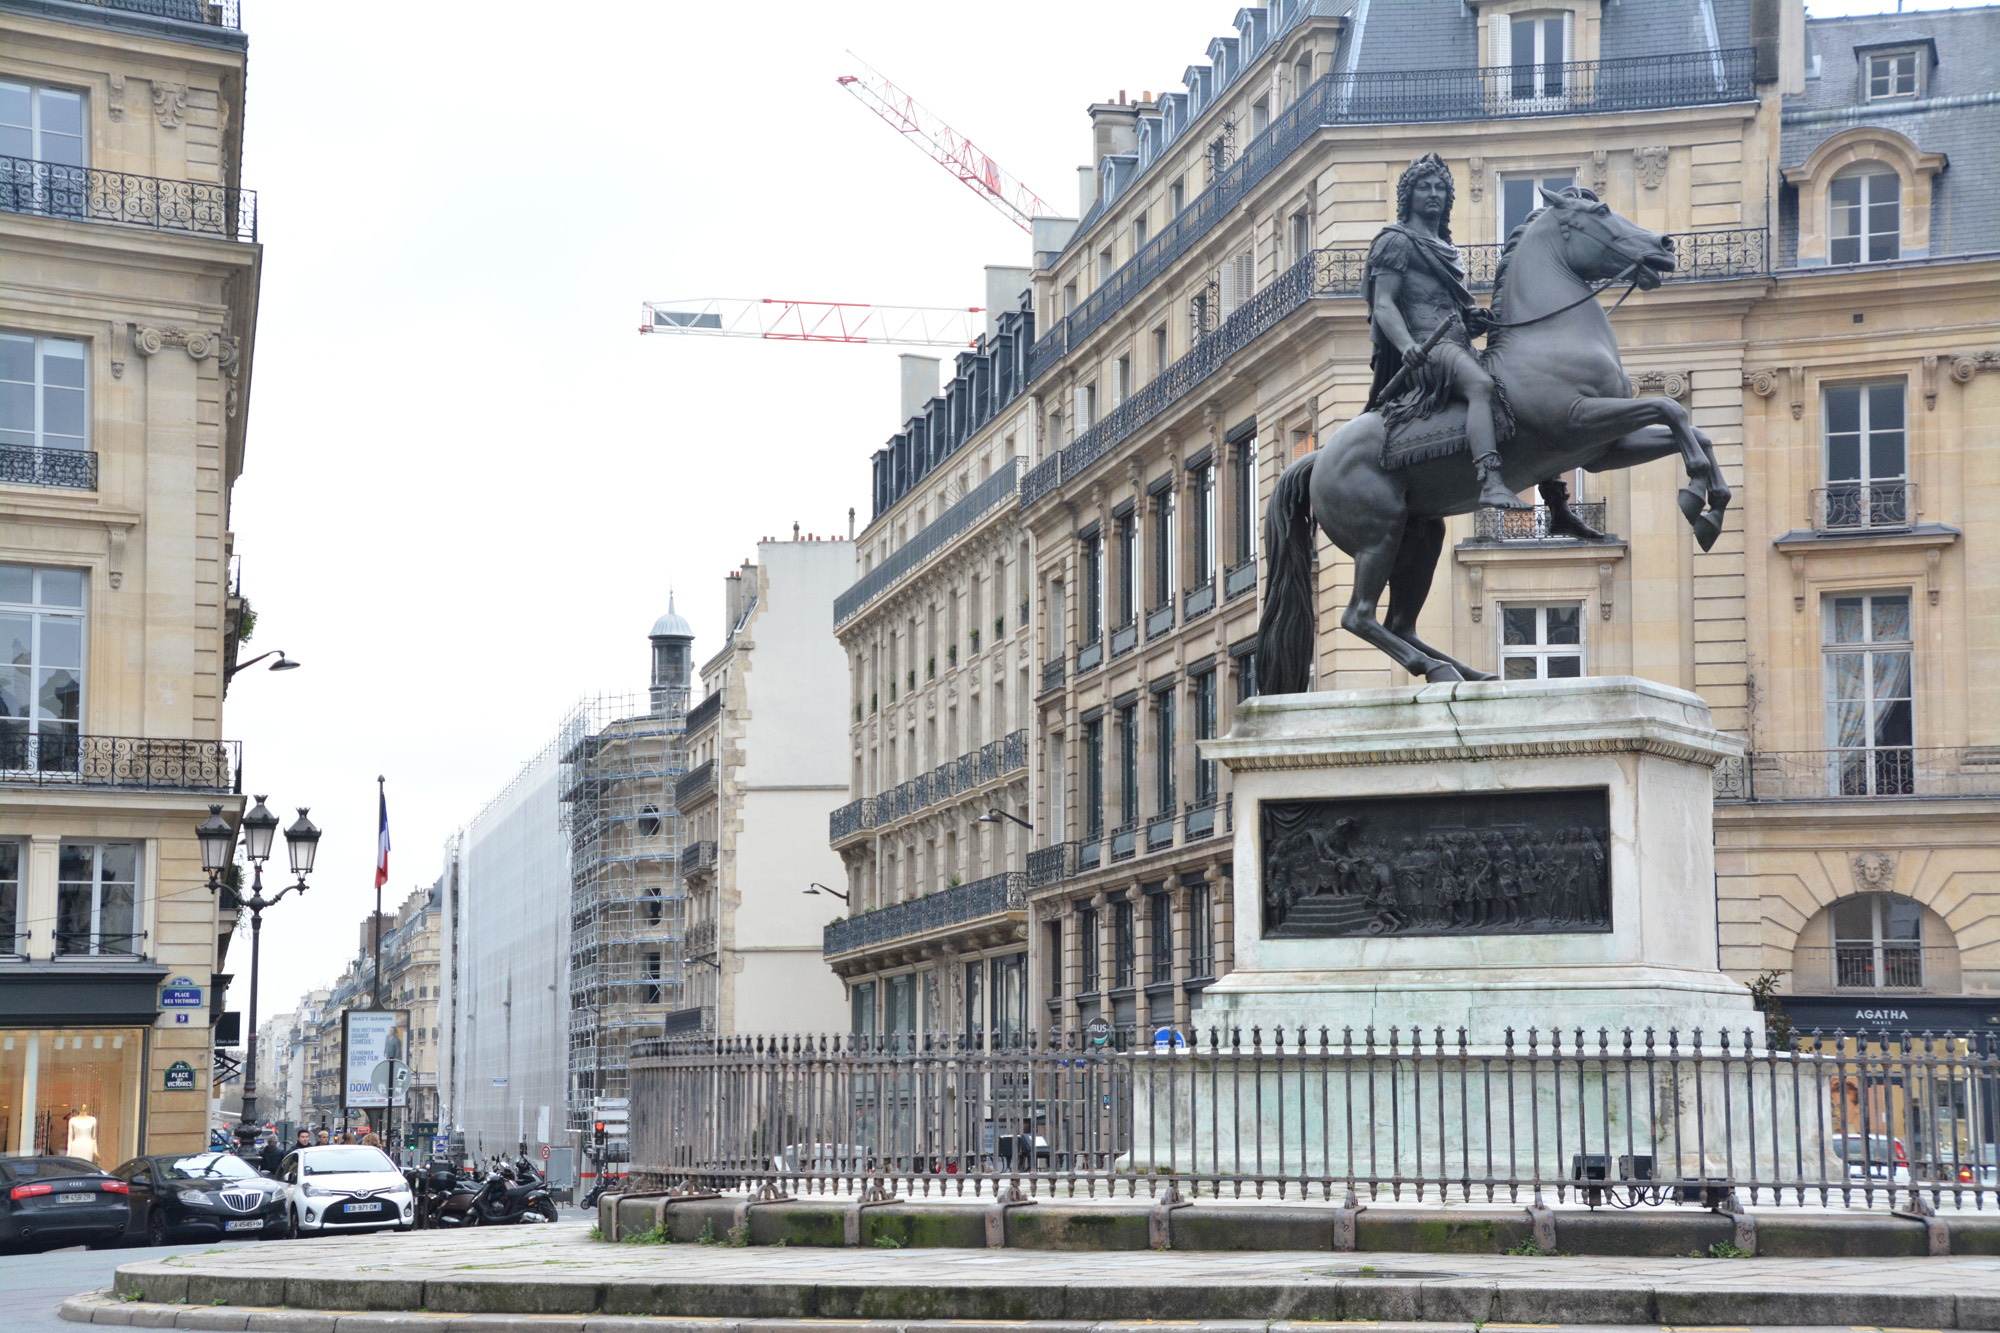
(1890, 74)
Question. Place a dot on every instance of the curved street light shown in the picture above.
(283, 663)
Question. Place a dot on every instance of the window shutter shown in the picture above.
(1499, 49)
(1569, 36)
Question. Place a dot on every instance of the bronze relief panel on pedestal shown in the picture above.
(1477, 863)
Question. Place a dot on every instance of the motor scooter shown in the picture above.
(507, 1194)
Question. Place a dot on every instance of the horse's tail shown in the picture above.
(1286, 627)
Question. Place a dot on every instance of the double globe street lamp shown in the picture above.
(218, 845)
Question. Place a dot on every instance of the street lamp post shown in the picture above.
(218, 842)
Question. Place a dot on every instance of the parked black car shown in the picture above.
(47, 1201)
(202, 1196)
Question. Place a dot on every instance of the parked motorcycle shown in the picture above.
(506, 1193)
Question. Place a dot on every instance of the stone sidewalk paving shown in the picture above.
(559, 1278)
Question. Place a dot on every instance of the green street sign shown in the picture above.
(180, 1077)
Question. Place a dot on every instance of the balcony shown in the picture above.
(703, 713)
(1239, 578)
(1160, 831)
(1890, 967)
(955, 777)
(1051, 865)
(1125, 841)
(696, 784)
(996, 895)
(208, 13)
(1089, 656)
(688, 1022)
(1851, 507)
(701, 942)
(697, 857)
(63, 469)
(850, 819)
(1124, 638)
(132, 763)
(912, 553)
(1530, 525)
(86, 194)
(1198, 600)
(1692, 78)
(1053, 674)
(1868, 775)
(1160, 620)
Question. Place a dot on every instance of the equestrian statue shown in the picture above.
(1449, 429)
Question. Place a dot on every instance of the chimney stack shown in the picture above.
(920, 384)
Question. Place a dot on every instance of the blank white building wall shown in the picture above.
(510, 1020)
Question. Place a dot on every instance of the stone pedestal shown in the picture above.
(1606, 779)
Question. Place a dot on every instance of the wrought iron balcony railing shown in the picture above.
(689, 1021)
(138, 762)
(87, 194)
(954, 777)
(1858, 774)
(1892, 965)
(995, 895)
(953, 521)
(1693, 78)
(704, 712)
(65, 469)
(1053, 674)
(1529, 525)
(701, 941)
(1051, 865)
(696, 783)
(1864, 506)
(208, 13)
(698, 856)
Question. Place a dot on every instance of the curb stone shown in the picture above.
(1432, 1306)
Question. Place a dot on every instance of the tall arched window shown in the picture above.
(1864, 214)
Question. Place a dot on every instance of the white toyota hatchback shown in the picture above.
(346, 1187)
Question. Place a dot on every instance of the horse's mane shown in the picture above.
(1507, 251)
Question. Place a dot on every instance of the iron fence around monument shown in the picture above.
(1623, 1119)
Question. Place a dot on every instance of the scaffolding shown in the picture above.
(620, 756)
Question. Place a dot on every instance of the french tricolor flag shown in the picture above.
(382, 844)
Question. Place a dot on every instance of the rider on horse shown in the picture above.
(1415, 283)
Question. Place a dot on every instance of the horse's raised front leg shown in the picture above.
(1613, 418)
(1410, 586)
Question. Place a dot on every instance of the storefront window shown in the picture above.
(73, 1092)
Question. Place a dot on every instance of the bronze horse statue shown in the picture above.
(1553, 352)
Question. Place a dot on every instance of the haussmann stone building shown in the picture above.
(129, 272)
(1833, 325)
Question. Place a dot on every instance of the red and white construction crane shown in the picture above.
(945, 146)
(815, 321)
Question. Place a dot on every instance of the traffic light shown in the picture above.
(598, 1133)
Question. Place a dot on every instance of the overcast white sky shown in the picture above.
(470, 482)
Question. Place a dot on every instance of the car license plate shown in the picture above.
(244, 1224)
(364, 1207)
(76, 1198)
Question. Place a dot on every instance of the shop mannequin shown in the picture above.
(83, 1135)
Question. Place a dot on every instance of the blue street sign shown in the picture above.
(180, 993)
